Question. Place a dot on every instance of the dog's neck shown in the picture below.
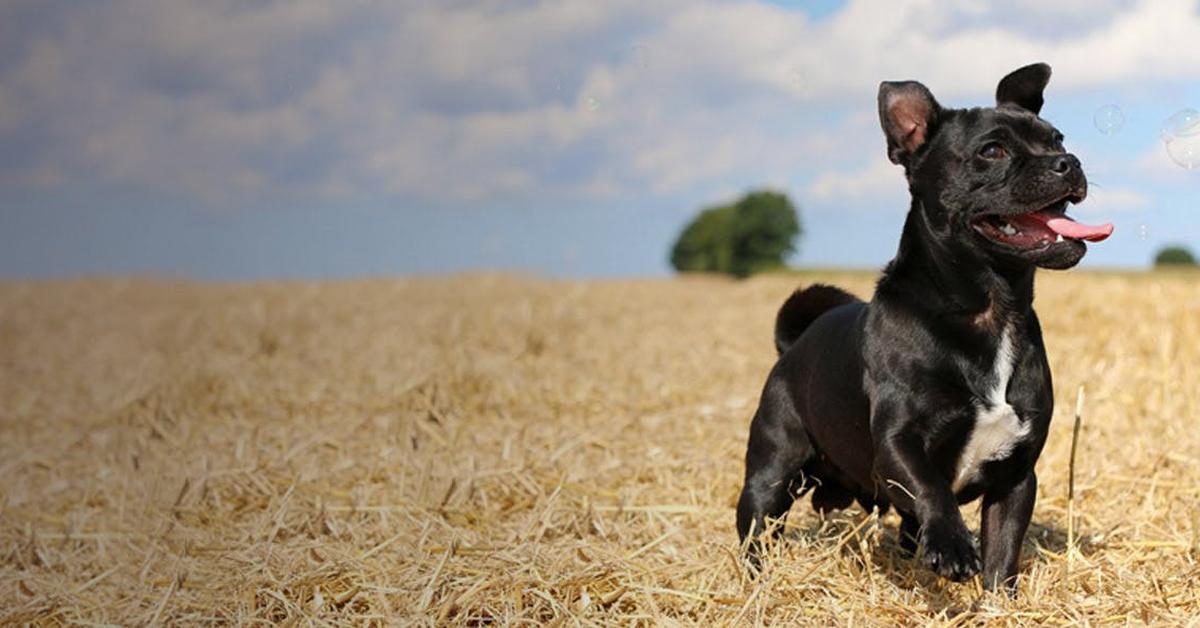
(948, 279)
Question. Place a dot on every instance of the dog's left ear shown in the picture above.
(1024, 87)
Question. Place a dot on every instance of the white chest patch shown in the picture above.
(997, 428)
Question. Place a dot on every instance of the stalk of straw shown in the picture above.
(1071, 480)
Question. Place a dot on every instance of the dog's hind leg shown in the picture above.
(777, 452)
(828, 496)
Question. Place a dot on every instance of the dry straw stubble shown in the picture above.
(512, 450)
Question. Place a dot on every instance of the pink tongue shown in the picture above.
(1068, 228)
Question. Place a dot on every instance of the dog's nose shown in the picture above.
(1064, 164)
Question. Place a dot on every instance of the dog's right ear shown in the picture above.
(908, 113)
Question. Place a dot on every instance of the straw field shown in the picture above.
(509, 450)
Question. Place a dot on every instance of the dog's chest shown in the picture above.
(997, 429)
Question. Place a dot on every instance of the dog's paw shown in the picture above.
(752, 559)
(949, 550)
(997, 583)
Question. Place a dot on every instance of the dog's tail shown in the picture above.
(802, 308)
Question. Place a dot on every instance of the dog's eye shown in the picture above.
(1058, 138)
(993, 150)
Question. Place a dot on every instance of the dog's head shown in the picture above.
(995, 180)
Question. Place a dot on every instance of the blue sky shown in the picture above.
(247, 140)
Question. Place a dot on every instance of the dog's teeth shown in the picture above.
(1058, 239)
(1008, 229)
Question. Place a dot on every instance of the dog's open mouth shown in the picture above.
(1039, 229)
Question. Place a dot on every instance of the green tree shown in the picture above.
(1175, 255)
(704, 246)
(754, 234)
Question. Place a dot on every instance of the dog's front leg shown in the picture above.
(918, 490)
(1005, 519)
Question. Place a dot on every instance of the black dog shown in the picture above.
(938, 391)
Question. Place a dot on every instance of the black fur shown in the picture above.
(875, 402)
(802, 308)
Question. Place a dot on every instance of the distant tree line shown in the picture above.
(1174, 255)
(759, 231)
(752, 235)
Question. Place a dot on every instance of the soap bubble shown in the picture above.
(1185, 123)
(799, 80)
(1181, 136)
(1186, 153)
(592, 103)
(640, 55)
(1143, 231)
(493, 246)
(795, 76)
(1109, 119)
(570, 256)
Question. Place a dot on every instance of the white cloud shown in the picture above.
(961, 49)
(879, 180)
(491, 100)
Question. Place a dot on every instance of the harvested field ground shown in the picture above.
(502, 449)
